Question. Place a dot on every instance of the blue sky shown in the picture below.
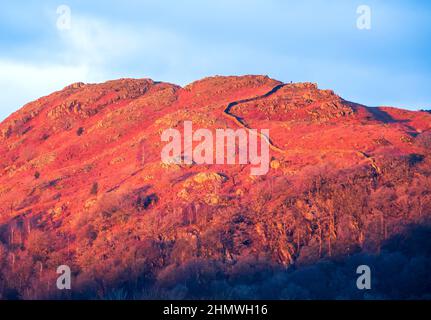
(182, 41)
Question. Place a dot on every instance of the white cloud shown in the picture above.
(88, 52)
(22, 82)
(97, 43)
(94, 42)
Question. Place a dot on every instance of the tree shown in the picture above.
(39, 245)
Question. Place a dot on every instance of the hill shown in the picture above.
(82, 184)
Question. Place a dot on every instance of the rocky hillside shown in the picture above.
(82, 184)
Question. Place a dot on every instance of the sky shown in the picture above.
(46, 45)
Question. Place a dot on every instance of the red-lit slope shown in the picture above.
(82, 182)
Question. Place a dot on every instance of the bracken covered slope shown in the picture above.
(82, 184)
